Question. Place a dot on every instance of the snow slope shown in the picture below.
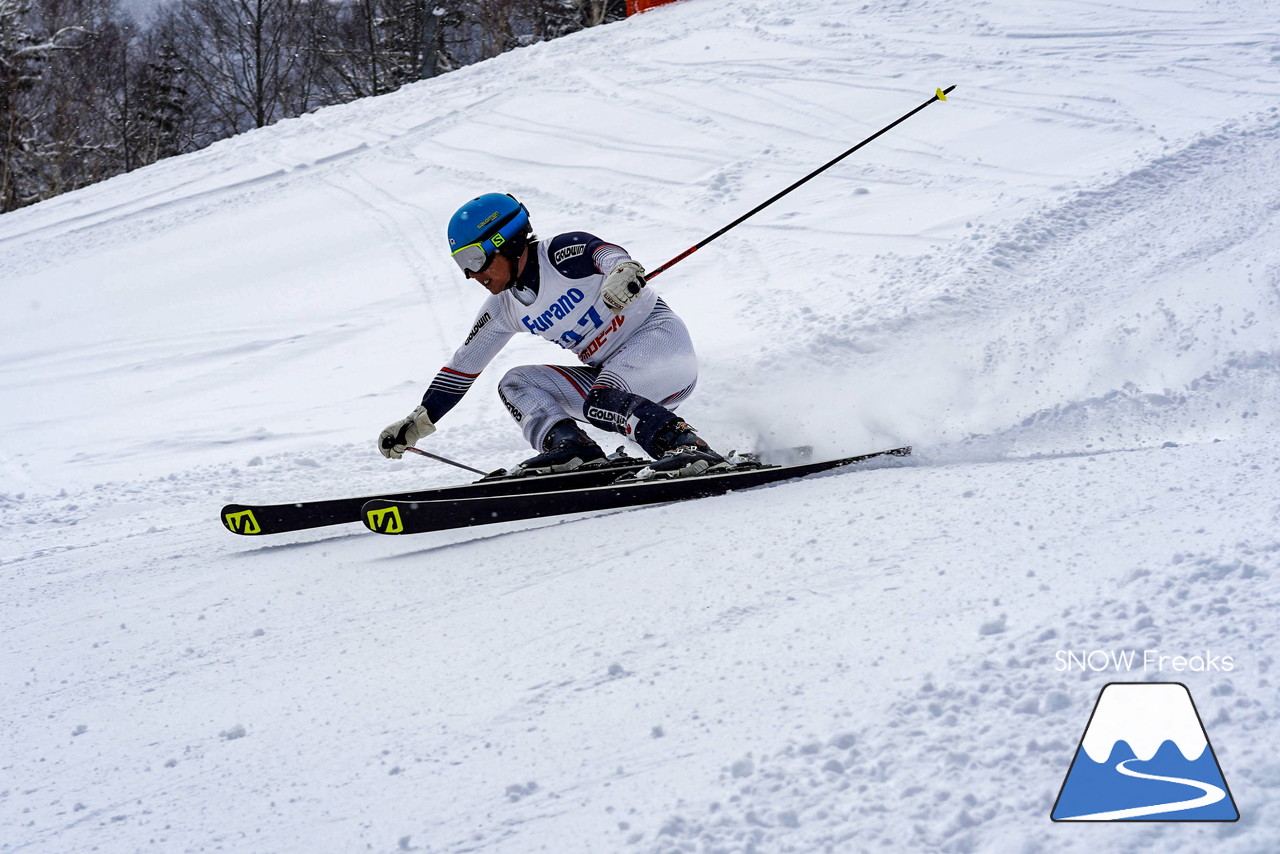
(1062, 286)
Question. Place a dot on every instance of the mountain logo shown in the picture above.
(1145, 756)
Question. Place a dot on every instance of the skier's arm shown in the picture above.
(578, 255)
(487, 337)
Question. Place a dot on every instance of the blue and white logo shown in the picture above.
(1145, 756)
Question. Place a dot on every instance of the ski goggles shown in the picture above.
(473, 258)
(476, 257)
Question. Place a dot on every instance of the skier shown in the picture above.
(589, 297)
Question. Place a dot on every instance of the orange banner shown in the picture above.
(635, 7)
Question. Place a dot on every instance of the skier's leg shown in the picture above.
(639, 388)
(545, 400)
(665, 436)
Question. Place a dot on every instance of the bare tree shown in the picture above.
(20, 65)
(85, 124)
(597, 12)
(244, 58)
(381, 44)
(556, 18)
(371, 47)
(496, 26)
(500, 25)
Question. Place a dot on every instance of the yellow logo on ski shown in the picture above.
(940, 95)
(386, 520)
(242, 522)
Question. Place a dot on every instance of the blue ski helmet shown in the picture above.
(483, 227)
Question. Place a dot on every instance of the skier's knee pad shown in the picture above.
(609, 408)
(626, 413)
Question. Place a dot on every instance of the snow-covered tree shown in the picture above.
(560, 17)
(31, 36)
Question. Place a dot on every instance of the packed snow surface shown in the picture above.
(1062, 286)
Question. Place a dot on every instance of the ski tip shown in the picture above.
(239, 519)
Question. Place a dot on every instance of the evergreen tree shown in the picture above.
(161, 111)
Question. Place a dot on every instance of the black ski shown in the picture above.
(442, 513)
(258, 519)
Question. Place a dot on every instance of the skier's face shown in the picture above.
(497, 276)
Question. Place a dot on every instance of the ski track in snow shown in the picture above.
(1062, 286)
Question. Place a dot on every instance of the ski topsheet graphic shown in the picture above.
(1145, 756)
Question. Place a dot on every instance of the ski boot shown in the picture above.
(566, 448)
(680, 453)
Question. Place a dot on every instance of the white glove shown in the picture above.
(622, 285)
(405, 432)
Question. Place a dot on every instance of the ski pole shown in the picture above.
(940, 95)
(441, 459)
